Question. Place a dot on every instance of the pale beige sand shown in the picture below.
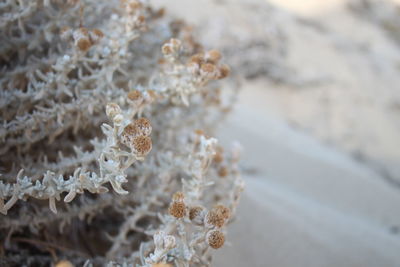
(308, 203)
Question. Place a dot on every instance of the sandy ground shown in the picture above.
(318, 118)
(305, 204)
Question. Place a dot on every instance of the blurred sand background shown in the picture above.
(319, 119)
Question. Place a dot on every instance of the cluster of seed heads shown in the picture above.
(136, 136)
(83, 38)
(207, 65)
(213, 219)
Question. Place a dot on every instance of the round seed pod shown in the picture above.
(82, 41)
(223, 210)
(135, 95)
(141, 145)
(219, 156)
(83, 44)
(214, 218)
(213, 56)
(128, 133)
(208, 70)
(177, 209)
(215, 239)
(143, 126)
(223, 171)
(224, 71)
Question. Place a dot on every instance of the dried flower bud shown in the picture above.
(129, 132)
(143, 126)
(135, 95)
(199, 132)
(173, 46)
(141, 19)
(225, 212)
(214, 218)
(166, 49)
(197, 58)
(224, 71)
(82, 41)
(83, 44)
(112, 109)
(141, 145)
(208, 70)
(196, 214)
(219, 156)
(223, 171)
(135, 4)
(177, 209)
(213, 56)
(215, 239)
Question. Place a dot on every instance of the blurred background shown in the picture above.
(318, 117)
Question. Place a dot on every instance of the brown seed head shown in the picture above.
(135, 4)
(213, 56)
(172, 46)
(130, 131)
(177, 209)
(214, 218)
(224, 71)
(223, 171)
(197, 58)
(208, 68)
(166, 49)
(218, 157)
(223, 210)
(141, 145)
(141, 19)
(215, 239)
(134, 95)
(83, 44)
(143, 126)
(199, 132)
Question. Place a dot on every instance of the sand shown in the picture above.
(318, 117)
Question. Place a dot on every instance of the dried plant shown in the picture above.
(107, 108)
